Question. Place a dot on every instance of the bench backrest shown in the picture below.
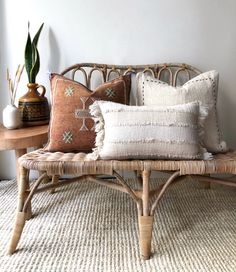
(173, 73)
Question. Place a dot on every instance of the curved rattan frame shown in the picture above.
(157, 70)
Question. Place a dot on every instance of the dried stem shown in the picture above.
(13, 85)
(18, 77)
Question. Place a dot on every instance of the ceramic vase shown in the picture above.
(34, 106)
(11, 117)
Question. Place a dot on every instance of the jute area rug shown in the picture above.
(90, 228)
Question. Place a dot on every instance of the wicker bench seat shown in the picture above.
(77, 163)
(57, 164)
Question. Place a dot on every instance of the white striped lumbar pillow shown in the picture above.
(148, 132)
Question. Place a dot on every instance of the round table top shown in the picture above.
(22, 138)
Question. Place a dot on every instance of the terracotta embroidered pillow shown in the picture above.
(71, 126)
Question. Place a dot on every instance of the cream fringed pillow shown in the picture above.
(202, 88)
(134, 132)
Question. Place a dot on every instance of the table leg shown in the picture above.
(18, 154)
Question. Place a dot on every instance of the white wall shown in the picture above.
(199, 32)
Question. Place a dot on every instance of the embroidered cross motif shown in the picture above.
(84, 112)
(67, 137)
(69, 91)
(110, 93)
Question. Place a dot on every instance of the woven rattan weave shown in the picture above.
(77, 164)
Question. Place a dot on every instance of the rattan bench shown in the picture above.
(57, 164)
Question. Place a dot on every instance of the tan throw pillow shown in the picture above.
(148, 132)
(203, 88)
(71, 127)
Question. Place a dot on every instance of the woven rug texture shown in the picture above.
(90, 228)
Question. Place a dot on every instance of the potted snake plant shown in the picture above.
(33, 105)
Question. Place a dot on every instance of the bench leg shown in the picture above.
(145, 220)
(147, 211)
(20, 215)
(55, 179)
(145, 236)
(26, 193)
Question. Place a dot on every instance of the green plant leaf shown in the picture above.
(35, 40)
(36, 37)
(36, 64)
(32, 59)
(28, 56)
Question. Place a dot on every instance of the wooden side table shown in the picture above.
(21, 139)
